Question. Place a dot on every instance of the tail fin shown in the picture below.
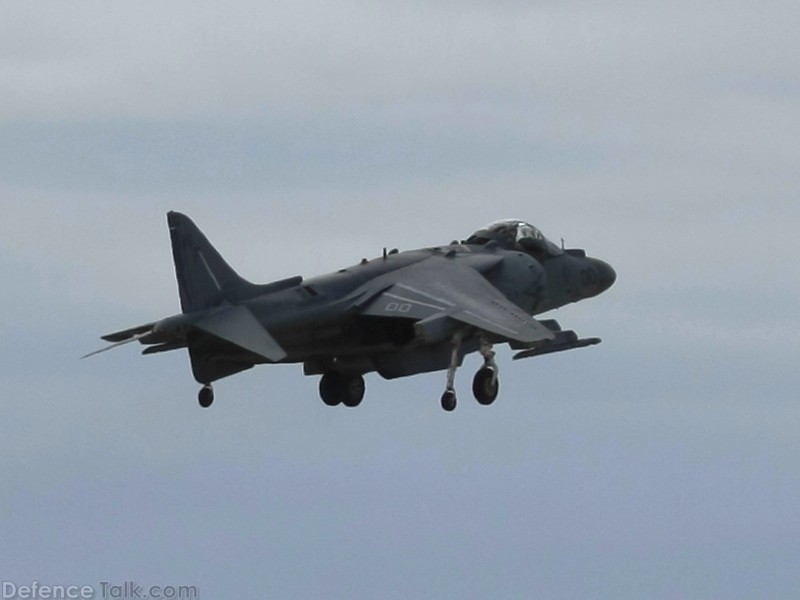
(205, 280)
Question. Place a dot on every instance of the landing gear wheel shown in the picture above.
(352, 390)
(206, 396)
(485, 386)
(449, 400)
(330, 388)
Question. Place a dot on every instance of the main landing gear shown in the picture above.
(485, 385)
(206, 396)
(338, 388)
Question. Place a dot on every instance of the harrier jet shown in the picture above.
(399, 314)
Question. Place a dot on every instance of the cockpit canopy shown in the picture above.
(517, 235)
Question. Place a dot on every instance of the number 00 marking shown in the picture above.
(400, 307)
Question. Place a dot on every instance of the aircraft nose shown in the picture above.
(606, 275)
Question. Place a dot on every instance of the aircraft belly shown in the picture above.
(391, 365)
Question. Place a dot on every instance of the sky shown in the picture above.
(302, 137)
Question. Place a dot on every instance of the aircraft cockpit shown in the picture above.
(518, 235)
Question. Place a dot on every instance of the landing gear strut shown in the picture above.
(206, 396)
(485, 385)
(338, 388)
(449, 396)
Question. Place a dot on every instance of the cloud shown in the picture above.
(156, 61)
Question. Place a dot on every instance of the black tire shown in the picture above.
(330, 388)
(449, 400)
(352, 390)
(205, 396)
(484, 389)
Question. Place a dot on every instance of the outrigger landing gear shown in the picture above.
(449, 396)
(337, 388)
(206, 396)
(486, 385)
(449, 400)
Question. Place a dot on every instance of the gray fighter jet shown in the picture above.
(399, 314)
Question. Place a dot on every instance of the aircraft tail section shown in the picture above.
(205, 280)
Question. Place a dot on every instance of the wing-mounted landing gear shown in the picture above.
(338, 388)
(449, 396)
(449, 400)
(486, 384)
(206, 396)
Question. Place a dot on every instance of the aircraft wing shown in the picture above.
(439, 293)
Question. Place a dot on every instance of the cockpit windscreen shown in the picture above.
(515, 234)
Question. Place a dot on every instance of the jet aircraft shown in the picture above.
(399, 314)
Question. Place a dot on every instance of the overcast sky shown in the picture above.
(304, 136)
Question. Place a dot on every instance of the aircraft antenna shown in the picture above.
(562, 243)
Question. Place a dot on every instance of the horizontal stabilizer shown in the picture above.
(121, 342)
(165, 347)
(238, 326)
(127, 334)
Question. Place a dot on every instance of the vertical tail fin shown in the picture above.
(204, 278)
